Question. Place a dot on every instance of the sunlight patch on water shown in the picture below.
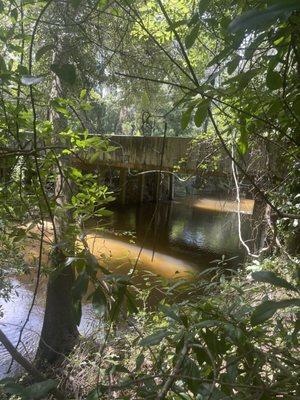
(117, 255)
(221, 205)
(123, 256)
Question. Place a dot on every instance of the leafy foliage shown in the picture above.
(232, 72)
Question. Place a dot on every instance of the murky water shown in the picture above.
(177, 239)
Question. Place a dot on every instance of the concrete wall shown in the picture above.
(145, 153)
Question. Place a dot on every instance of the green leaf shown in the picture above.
(242, 146)
(139, 361)
(1, 6)
(30, 80)
(176, 25)
(203, 4)
(99, 302)
(273, 279)
(201, 112)
(155, 338)
(43, 50)
(267, 309)
(75, 3)
(14, 14)
(39, 390)
(169, 312)
(96, 394)
(233, 64)
(273, 80)
(13, 388)
(296, 106)
(244, 77)
(186, 117)
(208, 323)
(254, 45)
(242, 143)
(83, 94)
(222, 55)
(131, 303)
(2, 64)
(80, 285)
(191, 370)
(257, 19)
(192, 36)
(66, 72)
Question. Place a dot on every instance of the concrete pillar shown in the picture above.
(259, 225)
(171, 187)
(123, 184)
(157, 186)
(141, 186)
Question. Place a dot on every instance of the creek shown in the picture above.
(177, 238)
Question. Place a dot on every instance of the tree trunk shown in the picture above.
(59, 332)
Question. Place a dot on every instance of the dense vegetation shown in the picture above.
(73, 72)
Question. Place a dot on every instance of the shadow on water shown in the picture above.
(177, 238)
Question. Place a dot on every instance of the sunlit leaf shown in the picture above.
(83, 94)
(242, 143)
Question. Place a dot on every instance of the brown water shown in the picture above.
(178, 239)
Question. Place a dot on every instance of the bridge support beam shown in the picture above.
(123, 184)
(141, 187)
(171, 188)
(259, 225)
(157, 186)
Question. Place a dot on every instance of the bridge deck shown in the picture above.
(147, 153)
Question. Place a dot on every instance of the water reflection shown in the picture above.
(183, 231)
(177, 239)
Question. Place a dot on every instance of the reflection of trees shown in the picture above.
(209, 231)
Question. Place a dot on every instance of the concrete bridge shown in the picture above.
(182, 154)
(169, 154)
(155, 153)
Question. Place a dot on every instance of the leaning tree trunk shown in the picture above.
(59, 332)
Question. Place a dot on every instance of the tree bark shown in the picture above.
(59, 332)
